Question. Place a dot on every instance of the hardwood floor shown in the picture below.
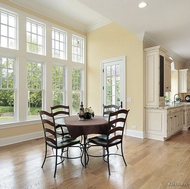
(151, 165)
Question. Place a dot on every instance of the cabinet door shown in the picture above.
(183, 81)
(167, 76)
(169, 124)
(188, 81)
(180, 120)
(188, 117)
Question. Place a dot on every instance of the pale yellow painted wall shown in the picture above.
(21, 130)
(113, 41)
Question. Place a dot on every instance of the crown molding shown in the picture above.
(170, 53)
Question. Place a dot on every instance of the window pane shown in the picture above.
(58, 84)
(77, 90)
(6, 105)
(35, 84)
(35, 37)
(6, 89)
(77, 49)
(8, 32)
(34, 103)
(58, 44)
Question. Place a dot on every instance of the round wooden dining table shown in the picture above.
(77, 127)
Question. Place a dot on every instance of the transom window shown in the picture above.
(6, 89)
(77, 49)
(35, 86)
(58, 84)
(59, 44)
(8, 31)
(35, 33)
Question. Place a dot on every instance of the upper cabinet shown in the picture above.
(184, 81)
(167, 75)
(158, 76)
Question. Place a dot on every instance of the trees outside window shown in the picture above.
(77, 90)
(58, 84)
(35, 86)
(6, 88)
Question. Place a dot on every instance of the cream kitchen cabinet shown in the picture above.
(162, 123)
(186, 117)
(184, 81)
(157, 76)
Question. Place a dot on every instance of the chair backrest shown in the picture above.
(60, 110)
(117, 121)
(107, 109)
(49, 127)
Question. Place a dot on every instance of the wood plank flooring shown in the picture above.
(151, 165)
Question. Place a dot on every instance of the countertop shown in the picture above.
(181, 104)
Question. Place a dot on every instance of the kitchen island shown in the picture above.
(165, 121)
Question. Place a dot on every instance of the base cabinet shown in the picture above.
(161, 123)
(187, 117)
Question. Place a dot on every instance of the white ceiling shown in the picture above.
(162, 22)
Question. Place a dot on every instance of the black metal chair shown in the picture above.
(61, 111)
(53, 141)
(114, 136)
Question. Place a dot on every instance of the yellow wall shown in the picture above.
(21, 130)
(113, 41)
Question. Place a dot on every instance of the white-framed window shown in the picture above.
(8, 30)
(35, 87)
(35, 37)
(59, 44)
(77, 49)
(77, 89)
(31, 74)
(58, 84)
(7, 91)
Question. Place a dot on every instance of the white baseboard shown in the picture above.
(21, 138)
(133, 133)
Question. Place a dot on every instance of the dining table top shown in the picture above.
(77, 127)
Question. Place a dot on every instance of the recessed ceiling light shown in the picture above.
(142, 5)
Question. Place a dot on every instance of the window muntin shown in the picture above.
(35, 87)
(58, 84)
(77, 90)
(7, 91)
(8, 29)
(77, 49)
(35, 37)
(59, 44)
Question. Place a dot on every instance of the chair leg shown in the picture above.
(55, 164)
(44, 156)
(108, 159)
(123, 154)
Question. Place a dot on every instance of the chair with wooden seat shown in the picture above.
(114, 136)
(61, 111)
(53, 141)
